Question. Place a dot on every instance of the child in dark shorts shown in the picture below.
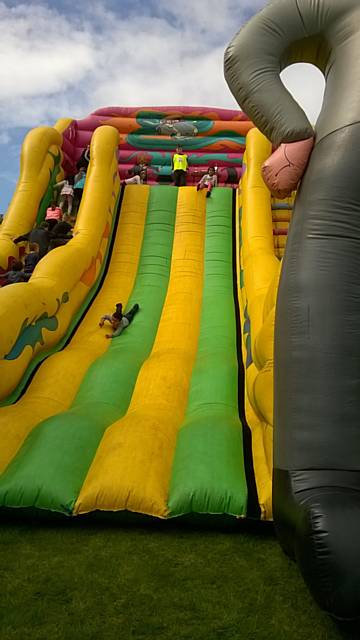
(118, 320)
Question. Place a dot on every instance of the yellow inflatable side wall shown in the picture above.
(39, 150)
(34, 316)
(258, 274)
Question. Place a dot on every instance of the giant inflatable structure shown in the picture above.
(317, 351)
(151, 422)
(177, 416)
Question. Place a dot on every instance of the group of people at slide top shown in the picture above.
(56, 230)
(179, 167)
(69, 191)
(40, 240)
(21, 271)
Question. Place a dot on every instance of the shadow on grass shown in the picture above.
(348, 630)
(124, 519)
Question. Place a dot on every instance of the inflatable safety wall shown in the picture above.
(263, 227)
(317, 348)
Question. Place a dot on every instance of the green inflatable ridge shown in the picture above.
(208, 473)
(51, 466)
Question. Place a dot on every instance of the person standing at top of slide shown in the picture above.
(180, 166)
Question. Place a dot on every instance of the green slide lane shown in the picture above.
(51, 466)
(208, 473)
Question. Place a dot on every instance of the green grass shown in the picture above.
(95, 581)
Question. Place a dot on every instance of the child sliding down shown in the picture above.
(208, 181)
(118, 320)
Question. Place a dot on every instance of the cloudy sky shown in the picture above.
(65, 58)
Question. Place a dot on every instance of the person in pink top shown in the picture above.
(53, 212)
(208, 181)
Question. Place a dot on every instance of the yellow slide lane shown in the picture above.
(132, 466)
(58, 379)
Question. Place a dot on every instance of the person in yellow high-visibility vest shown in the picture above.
(180, 166)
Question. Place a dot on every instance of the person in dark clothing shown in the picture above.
(58, 242)
(60, 235)
(15, 274)
(62, 230)
(40, 235)
(31, 259)
(118, 320)
(84, 159)
(51, 223)
(133, 311)
(79, 185)
(232, 176)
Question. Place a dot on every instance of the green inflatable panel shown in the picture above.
(208, 473)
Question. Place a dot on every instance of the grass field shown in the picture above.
(91, 581)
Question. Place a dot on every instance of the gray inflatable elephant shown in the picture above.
(316, 481)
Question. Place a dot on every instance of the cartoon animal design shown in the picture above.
(177, 128)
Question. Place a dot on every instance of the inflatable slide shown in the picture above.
(177, 415)
(151, 422)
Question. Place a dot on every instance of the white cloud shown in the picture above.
(39, 53)
(55, 65)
